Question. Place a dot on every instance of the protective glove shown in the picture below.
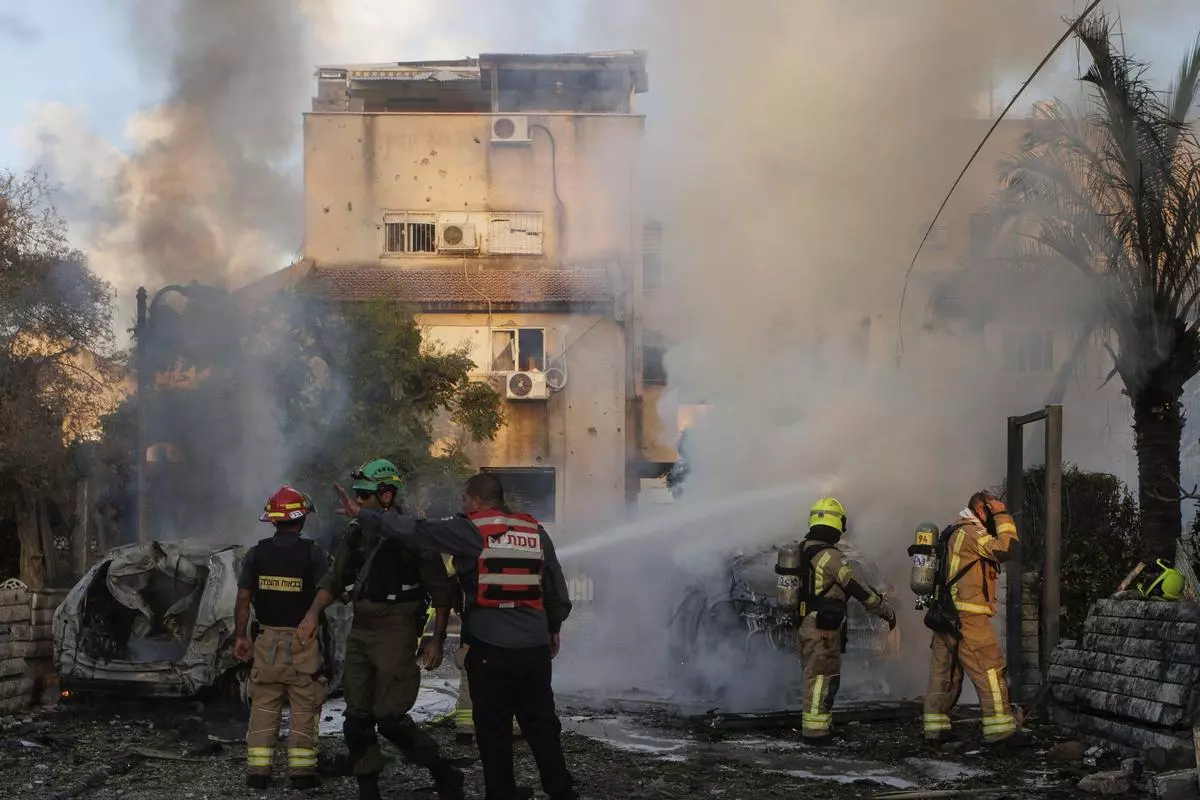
(996, 505)
(887, 614)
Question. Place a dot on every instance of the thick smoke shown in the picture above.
(210, 192)
(795, 156)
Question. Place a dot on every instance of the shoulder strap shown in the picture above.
(811, 553)
(944, 557)
(361, 577)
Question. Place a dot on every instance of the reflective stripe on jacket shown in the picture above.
(972, 546)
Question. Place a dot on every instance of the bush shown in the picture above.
(1100, 524)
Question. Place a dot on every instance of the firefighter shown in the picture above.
(279, 578)
(827, 583)
(515, 602)
(391, 581)
(969, 553)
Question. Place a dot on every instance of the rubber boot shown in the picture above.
(1017, 741)
(448, 782)
(304, 782)
(258, 781)
(368, 787)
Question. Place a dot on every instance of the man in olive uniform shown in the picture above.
(279, 577)
(381, 678)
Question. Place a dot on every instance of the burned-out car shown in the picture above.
(157, 619)
(736, 619)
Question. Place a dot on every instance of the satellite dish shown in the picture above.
(556, 378)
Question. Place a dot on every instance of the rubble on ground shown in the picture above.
(135, 750)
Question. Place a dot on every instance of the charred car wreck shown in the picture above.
(735, 619)
(157, 619)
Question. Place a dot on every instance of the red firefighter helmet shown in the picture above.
(287, 504)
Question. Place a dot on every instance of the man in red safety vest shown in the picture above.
(515, 602)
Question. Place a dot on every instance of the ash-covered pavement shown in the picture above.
(142, 750)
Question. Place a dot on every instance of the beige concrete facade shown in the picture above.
(381, 185)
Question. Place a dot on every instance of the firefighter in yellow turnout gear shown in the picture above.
(969, 554)
(827, 583)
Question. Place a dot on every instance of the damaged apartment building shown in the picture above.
(497, 196)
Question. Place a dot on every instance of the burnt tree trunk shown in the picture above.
(1158, 429)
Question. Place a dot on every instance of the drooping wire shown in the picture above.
(908, 274)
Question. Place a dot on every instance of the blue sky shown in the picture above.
(68, 52)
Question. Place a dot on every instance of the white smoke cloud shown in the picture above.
(795, 152)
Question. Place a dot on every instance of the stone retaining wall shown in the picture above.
(26, 647)
(1134, 678)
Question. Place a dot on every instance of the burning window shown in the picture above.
(530, 490)
(515, 234)
(519, 350)
(1028, 351)
(409, 232)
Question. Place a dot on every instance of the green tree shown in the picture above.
(55, 339)
(300, 387)
(374, 390)
(1113, 194)
(1100, 526)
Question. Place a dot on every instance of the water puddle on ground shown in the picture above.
(785, 757)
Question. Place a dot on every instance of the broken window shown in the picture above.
(519, 350)
(1028, 351)
(530, 490)
(409, 232)
(515, 234)
(504, 351)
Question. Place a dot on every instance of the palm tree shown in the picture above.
(1114, 194)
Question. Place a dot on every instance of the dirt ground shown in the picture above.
(128, 750)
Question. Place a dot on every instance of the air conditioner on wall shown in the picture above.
(457, 238)
(526, 386)
(510, 130)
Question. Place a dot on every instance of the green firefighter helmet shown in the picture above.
(1167, 583)
(376, 474)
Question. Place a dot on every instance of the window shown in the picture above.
(652, 271)
(653, 370)
(530, 490)
(518, 234)
(409, 232)
(1028, 351)
(519, 350)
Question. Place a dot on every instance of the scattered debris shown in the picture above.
(1109, 783)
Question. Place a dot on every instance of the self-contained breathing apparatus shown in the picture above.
(941, 614)
(796, 571)
(923, 576)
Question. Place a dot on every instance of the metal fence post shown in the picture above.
(1051, 560)
(1016, 475)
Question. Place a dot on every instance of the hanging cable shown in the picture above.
(904, 292)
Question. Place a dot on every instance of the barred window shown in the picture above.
(409, 232)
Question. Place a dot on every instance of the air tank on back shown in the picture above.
(923, 575)
(787, 567)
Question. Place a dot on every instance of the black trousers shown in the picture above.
(506, 682)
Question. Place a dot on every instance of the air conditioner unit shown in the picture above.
(458, 237)
(526, 386)
(510, 130)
